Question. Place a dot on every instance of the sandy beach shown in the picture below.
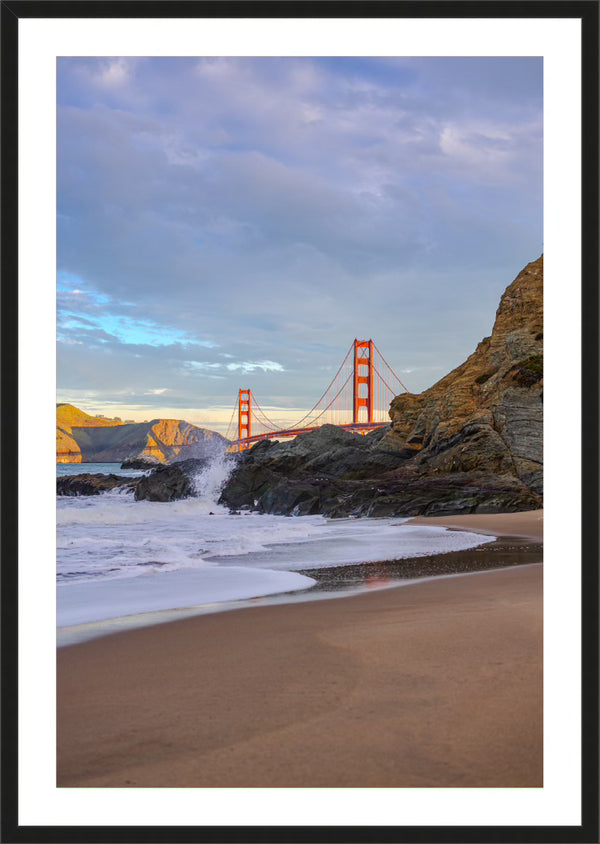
(433, 684)
(529, 524)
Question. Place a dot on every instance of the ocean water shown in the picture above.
(65, 469)
(117, 557)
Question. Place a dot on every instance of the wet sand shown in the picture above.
(437, 684)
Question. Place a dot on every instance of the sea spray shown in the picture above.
(212, 476)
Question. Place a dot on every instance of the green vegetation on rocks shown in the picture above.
(530, 371)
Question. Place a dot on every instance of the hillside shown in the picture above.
(67, 417)
(81, 438)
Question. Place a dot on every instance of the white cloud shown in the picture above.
(200, 366)
(249, 366)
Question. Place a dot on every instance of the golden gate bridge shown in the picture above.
(357, 399)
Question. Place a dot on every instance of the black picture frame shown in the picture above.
(12, 12)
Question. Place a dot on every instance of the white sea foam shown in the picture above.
(351, 541)
(117, 556)
(85, 602)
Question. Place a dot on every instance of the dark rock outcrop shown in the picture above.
(87, 484)
(292, 477)
(165, 483)
(266, 479)
(472, 443)
(169, 483)
(142, 461)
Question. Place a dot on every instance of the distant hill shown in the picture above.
(81, 438)
(68, 414)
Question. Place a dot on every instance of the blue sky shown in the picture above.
(236, 222)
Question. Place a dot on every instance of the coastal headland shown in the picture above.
(81, 438)
(434, 684)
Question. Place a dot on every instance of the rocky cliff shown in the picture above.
(81, 438)
(487, 413)
(470, 443)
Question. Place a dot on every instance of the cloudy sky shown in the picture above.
(227, 223)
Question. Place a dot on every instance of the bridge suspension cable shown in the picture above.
(357, 398)
(306, 417)
(272, 426)
(386, 364)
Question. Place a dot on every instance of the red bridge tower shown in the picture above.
(244, 423)
(363, 380)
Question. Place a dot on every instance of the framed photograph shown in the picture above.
(310, 293)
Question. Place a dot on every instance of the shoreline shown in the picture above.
(439, 685)
(502, 552)
(527, 524)
(508, 549)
